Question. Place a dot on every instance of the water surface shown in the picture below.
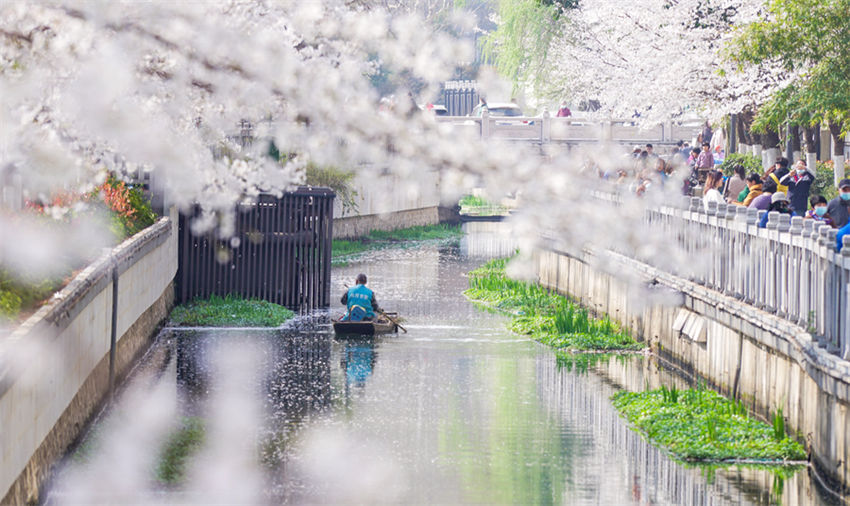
(458, 410)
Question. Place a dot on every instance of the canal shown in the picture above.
(458, 410)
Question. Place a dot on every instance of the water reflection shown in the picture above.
(358, 360)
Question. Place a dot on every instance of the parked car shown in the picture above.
(439, 110)
(502, 109)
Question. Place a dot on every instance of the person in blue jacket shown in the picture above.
(778, 202)
(360, 301)
(839, 238)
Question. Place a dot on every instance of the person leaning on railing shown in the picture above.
(778, 202)
(839, 207)
(819, 212)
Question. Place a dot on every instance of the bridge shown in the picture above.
(546, 129)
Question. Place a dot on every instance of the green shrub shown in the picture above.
(338, 180)
(18, 294)
(750, 162)
(824, 181)
(10, 305)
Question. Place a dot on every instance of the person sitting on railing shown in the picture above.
(839, 207)
(818, 212)
(779, 203)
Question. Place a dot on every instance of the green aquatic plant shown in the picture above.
(547, 317)
(705, 426)
(347, 251)
(230, 311)
(778, 425)
(670, 395)
(181, 445)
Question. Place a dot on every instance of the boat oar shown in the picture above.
(388, 317)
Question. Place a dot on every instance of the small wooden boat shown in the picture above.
(381, 325)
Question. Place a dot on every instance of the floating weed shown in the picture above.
(230, 311)
(547, 317)
(181, 445)
(346, 251)
(705, 426)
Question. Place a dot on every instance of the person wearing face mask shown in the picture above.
(818, 211)
(779, 203)
(839, 207)
(799, 182)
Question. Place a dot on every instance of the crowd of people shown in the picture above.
(784, 189)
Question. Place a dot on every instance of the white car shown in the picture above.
(501, 109)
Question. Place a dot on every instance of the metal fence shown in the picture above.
(460, 97)
(790, 268)
(280, 252)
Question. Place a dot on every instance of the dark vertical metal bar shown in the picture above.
(313, 252)
(182, 261)
(274, 260)
(289, 253)
(262, 249)
(329, 223)
(302, 229)
(308, 245)
(211, 260)
(245, 253)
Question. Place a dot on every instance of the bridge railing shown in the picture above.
(791, 268)
(546, 128)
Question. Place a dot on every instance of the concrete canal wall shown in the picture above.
(762, 358)
(389, 203)
(55, 368)
(654, 477)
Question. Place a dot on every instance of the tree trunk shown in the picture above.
(837, 151)
(795, 143)
(745, 119)
(770, 145)
(809, 133)
(756, 146)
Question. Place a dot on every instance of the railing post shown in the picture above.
(807, 264)
(783, 245)
(485, 124)
(795, 269)
(844, 309)
(821, 304)
(835, 288)
(771, 302)
(751, 290)
(546, 128)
